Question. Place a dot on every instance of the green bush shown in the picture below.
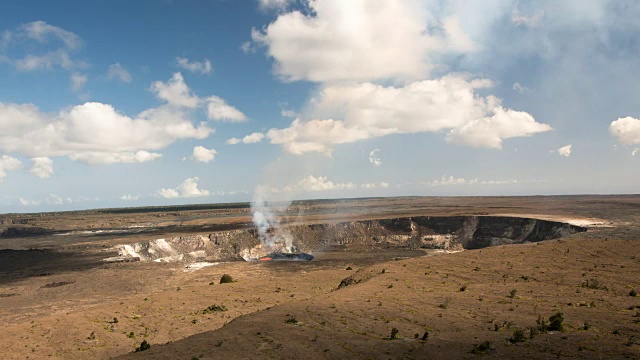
(214, 308)
(518, 336)
(555, 322)
(225, 279)
(144, 345)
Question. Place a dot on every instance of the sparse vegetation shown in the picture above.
(518, 336)
(555, 322)
(144, 345)
(349, 268)
(593, 284)
(291, 320)
(482, 349)
(394, 334)
(633, 293)
(226, 278)
(445, 304)
(131, 335)
(512, 293)
(214, 308)
(463, 287)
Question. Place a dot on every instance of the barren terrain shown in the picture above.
(59, 298)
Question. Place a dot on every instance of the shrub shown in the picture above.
(214, 308)
(633, 293)
(512, 293)
(144, 345)
(131, 335)
(518, 336)
(463, 287)
(542, 325)
(349, 268)
(225, 279)
(482, 348)
(593, 284)
(394, 334)
(291, 320)
(555, 322)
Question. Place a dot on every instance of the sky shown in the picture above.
(140, 103)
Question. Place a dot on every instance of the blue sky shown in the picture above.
(110, 104)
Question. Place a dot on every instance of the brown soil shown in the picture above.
(60, 302)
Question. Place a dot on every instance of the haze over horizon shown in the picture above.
(149, 103)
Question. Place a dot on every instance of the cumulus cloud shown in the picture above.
(335, 38)
(202, 67)
(626, 130)
(274, 4)
(565, 151)
(374, 157)
(452, 181)
(202, 154)
(42, 167)
(313, 183)
(519, 88)
(8, 163)
(105, 158)
(118, 72)
(129, 197)
(97, 133)
(175, 92)
(532, 20)
(446, 181)
(43, 32)
(252, 138)
(218, 109)
(368, 110)
(189, 188)
(491, 131)
(59, 43)
(78, 81)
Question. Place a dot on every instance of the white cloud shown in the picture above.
(105, 158)
(43, 32)
(450, 181)
(274, 4)
(97, 133)
(635, 151)
(350, 40)
(322, 183)
(202, 154)
(8, 163)
(446, 181)
(374, 157)
(526, 20)
(47, 61)
(175, 92)
(78, 81)
(202, 67)
(491, 131)
(218, 109)
(27, 202)
(519, 88)
(252, 138)
(288, 113)
(92, 127)
(369, 110)
(129, 197)
(626, 130)
(42, 167)
(565, 151)
(118, 72)
(189, 188)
